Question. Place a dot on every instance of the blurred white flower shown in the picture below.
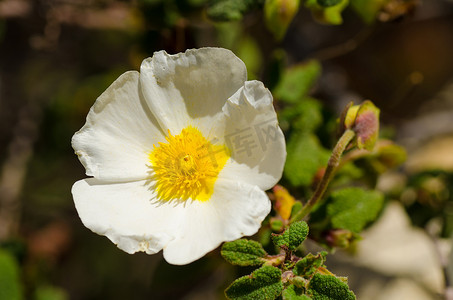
(181, 154)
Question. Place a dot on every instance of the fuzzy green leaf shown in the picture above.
(328, 287)
(353, 208)
(263, 284)
(305, 116)
(243, 253)
(10, 287)
(308, 265)
(294, 293)
(292, 237)
(305, 157)
(297, 206)
(297, 81)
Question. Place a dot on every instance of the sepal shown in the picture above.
(310, 264)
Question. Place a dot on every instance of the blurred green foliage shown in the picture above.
(353, 208)
(231, 10)
(10, 281)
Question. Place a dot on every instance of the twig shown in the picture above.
(332, 166)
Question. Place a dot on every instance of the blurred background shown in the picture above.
(58, 56)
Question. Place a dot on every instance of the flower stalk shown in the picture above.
(332, 166)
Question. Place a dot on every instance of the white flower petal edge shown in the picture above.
(119, 130)
(127, 214)
(190, 87)
(250, 130)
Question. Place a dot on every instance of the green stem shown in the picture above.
(332, 166)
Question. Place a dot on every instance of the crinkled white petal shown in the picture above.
(235, 209)
(127, 214)
(249, 127)
(118, 134)
(190, 88)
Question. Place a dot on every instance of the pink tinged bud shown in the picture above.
(364, 121)
(340, 238)
(366, 126)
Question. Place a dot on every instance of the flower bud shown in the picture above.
(283, 202)
(276, 225)
(366, 125)
(364, 121)
(279, 14)
(340, 238)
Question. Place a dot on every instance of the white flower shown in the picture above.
(181, 154)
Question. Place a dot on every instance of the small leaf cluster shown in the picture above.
(231, 10)
(301, 118)
(351, 203)
(284, 274)
(333, 190)
(279, 14)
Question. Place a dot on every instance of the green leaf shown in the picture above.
(292, 237)
(353, 208)
(231, 10)
(10, 286)
(329, 15)
(308, 265)
(294, 293)
(309, 115)
(306, 116)
(244, 253)
(263, 284)
(305, 157)
(297, 81)
(297, 206)
(328, 287)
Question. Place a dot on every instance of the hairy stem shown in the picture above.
(332, 166)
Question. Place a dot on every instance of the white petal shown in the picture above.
(251, 132)
(235, 209)
(128, 216)
(119, 133)
(124, 213)
(190, 88)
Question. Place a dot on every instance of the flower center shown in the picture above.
(187, 166)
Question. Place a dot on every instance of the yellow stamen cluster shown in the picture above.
(187, 166)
